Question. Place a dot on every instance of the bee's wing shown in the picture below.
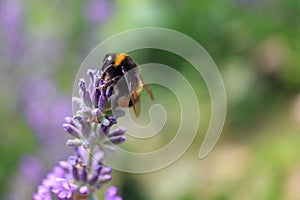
(135, 98)
(135, 87)
(136, 95)
(148, 90)
(136, 107)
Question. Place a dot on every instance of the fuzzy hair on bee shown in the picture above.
(122, 72)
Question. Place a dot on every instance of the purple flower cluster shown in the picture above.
(73, 179)
(83, 174)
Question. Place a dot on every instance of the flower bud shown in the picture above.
(117, 132)
(101, 101)
(64, 164)
(70, 120)
(93, 180)
(87, 98)
(83, 175)
(74, 142)
(91, 73)
(71, 129)
(104, 178)
(84, 190)
(106, 170)
(75, 173)
(82, 85)
(117, 139)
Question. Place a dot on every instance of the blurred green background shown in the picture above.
(255, 44)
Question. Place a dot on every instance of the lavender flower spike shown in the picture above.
(83, 174)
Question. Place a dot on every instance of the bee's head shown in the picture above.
(108, 61)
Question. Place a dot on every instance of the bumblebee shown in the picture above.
(122, 71)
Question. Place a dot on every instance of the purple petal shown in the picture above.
(105, 178)
(111, 193)
(106, 170)
(84, 190)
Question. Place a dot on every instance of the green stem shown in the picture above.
(91, 150)
(92, 196)
(91, 156)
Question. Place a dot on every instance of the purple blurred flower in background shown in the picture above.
(44, 109)
(112, 193)
(11, 22)
(98, 10)
(30, 172)
(32, 168)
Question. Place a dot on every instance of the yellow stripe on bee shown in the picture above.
(119, 59)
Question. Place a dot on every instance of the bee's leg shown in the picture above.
(110, 82)
(98, 83)
(97, 93)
